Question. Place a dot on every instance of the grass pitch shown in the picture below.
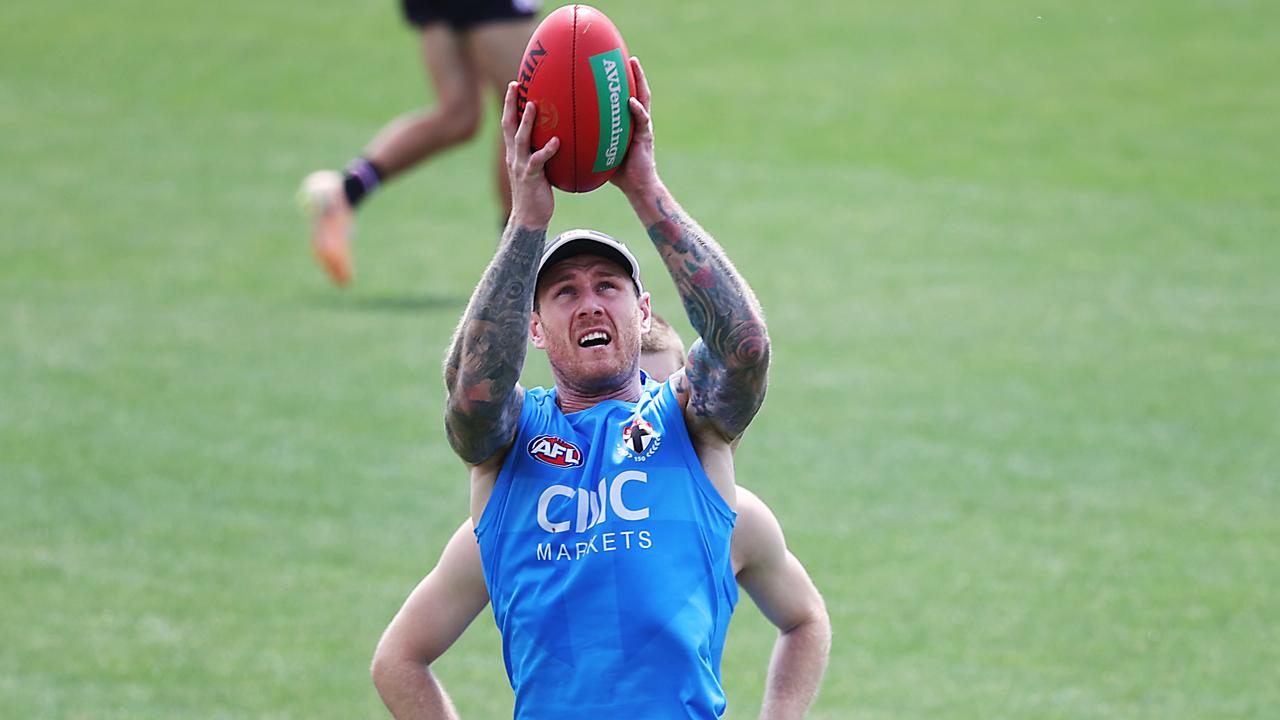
(1020, 263)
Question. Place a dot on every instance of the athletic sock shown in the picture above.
(359, 179)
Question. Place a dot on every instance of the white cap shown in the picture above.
(589, 242)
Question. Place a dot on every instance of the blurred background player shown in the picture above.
(467, 46)
(453, 594)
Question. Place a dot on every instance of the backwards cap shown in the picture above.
(589, 242)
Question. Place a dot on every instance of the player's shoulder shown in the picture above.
(757, 534)
(539, 395)
(679, 384)
(703, 430)
(539, 404)
(753, 511)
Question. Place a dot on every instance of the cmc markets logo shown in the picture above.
(583, 508)
(555, 452)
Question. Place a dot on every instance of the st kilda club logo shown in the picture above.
(555, 451)
(639, 439)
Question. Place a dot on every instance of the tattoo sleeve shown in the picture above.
(728, 365)
(488, 350)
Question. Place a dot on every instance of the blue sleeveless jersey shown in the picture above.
(606, 553)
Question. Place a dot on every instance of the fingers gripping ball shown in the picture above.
(576, 71)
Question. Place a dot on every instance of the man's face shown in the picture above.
(589, 321)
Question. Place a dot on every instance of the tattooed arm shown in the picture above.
(727, 369)
(728, 366)
(483, 368)
(484, 362)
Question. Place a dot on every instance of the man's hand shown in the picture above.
(638, 171)
(532, 203)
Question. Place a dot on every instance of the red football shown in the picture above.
(577, 70)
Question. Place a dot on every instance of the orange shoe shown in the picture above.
(322, 197)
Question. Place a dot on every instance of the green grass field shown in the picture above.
(1021, 263)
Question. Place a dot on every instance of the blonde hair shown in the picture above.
(662, 338)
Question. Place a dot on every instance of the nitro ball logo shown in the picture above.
(555, 451)
(532, 61)
(612, 94)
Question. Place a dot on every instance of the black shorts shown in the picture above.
(466, 14)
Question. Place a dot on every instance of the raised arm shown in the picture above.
(482, 370)
(728, 366)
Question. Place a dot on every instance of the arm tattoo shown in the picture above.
(728, 366)
(488, 350)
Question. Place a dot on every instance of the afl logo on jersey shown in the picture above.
(555, 451)
(640, 440)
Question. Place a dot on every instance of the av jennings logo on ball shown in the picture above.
(615, 117)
